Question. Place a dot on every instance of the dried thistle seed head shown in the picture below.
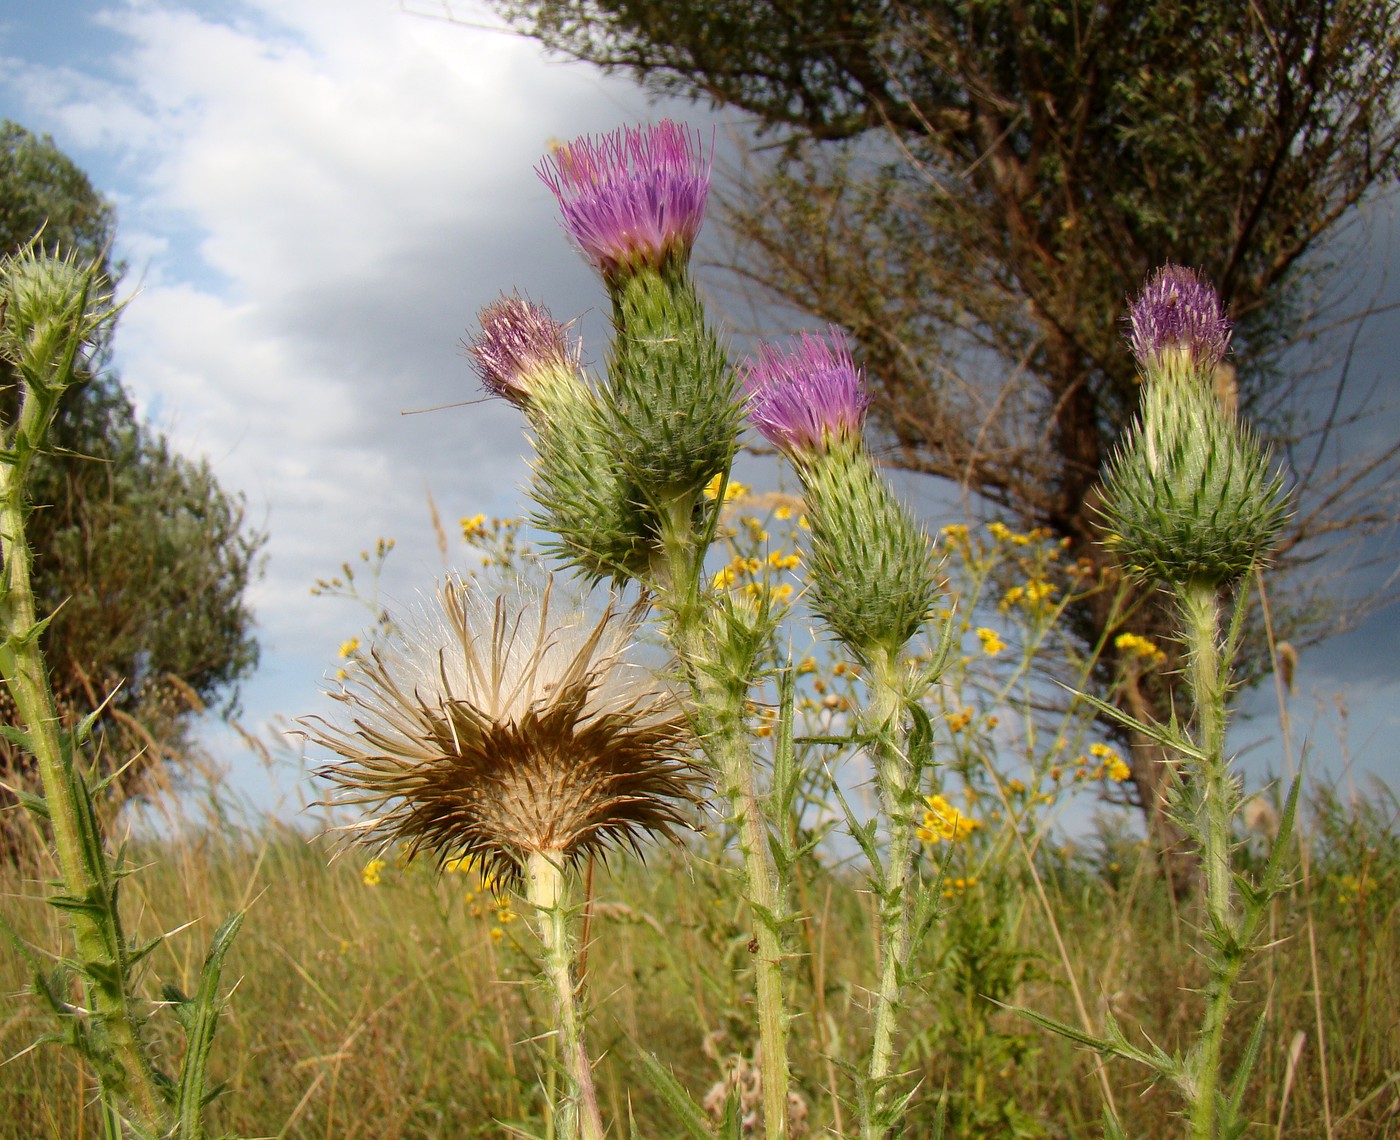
(494, 729)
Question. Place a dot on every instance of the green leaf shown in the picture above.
(201, 1022)
(688, 1114)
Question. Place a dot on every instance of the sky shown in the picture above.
(314, 199)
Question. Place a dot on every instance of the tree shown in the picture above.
(971, 189)
(141, 557)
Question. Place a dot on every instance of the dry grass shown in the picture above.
(391, 1011)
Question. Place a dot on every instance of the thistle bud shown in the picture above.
(871, 565)
(1191, 495)
(522, 351)
(634, 201)
(49, 308)
(524, 355)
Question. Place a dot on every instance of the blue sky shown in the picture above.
(315, 197)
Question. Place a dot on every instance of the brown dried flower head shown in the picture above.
(493, 729)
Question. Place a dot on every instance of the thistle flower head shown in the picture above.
(632, 198)
(1177, 312)
(519, 343)
(805, 400)
(493, 730)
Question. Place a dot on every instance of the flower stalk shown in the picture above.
(546, 890)
(50, 309)
(894, 778)
(873, 585)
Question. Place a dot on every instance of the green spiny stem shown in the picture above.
(83, 864)
(578, 1117)
(720, 711)
(892, 776)
(1200, 606)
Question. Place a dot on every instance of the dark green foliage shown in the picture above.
(139, 554)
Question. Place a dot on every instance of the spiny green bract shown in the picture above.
(584, 498)
(675, 412)
(872, 566)
(1191, 494)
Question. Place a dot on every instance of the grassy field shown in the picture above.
(404, 1007)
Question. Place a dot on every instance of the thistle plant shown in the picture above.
(666, 422)
(497, 731)
(874, 585)
(1193, 503)
(50, 310)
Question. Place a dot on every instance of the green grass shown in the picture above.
(390, 1010)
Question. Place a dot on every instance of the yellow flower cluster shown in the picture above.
(373, 873)
(992, 643)
(1131, 645)
(943, 822)
(733, 489)
(959, 720)
(1035, 595)
(1110, 766)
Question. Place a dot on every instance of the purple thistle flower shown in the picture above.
(632, 197)
(804, 400)
(518, 340)
(1177, 310)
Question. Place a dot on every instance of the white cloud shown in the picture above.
(318, 197)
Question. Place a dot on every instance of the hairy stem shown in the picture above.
(719, 695)
(577, 1118)
(89, 886)
(1200, 606)
(892, 775)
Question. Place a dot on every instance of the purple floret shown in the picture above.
(1178, 310)
(632, 197)
(804, 400)
(518, 340)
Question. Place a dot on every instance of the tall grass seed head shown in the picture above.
(808, 400)
(1177, 322)
(521, 347)
(633, 198)
(495, 728)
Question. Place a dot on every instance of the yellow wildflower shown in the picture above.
(781, 592)
(959, 720)
(733, 490)
(349, 645)
(372, 873)
(780, 561)
(992, 643)
(1141, 647)
(942, 821)
(955, 533)
(1117, 770)
(725, 578)
(999, 531)
(497, 934)
(782, 514)
(473, 527)
(806, 665)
